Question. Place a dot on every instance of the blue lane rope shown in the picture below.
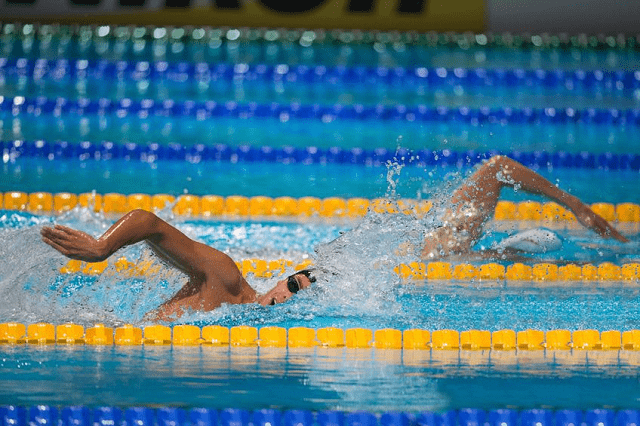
(45, 415)
(409, 113)
(398, 77)
(151, 152)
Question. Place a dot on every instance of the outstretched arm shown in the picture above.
(483, 189)
(191, 257)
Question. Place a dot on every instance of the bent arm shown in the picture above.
(168, 242)
(483, 189)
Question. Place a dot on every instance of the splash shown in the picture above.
(34, 290)
(26, 265)
(355, 270)
(354, 265)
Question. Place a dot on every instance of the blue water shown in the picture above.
(365, 292)
(277, 179)
(282, 83)
(317, 379)
(272, 132)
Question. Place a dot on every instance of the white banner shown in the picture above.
(564, 16)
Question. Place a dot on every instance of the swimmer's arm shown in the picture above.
(483, 189)
(191, 257)
(484, 186)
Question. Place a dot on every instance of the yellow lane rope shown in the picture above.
(272, 336)
(537, 272)
(237, 206)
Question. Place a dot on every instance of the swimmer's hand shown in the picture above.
(595, 222)
(74, 244)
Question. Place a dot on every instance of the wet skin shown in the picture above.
(215, 279)
(476, 199)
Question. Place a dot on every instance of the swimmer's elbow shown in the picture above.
(499, 160)
(143, 216)
(147, 222)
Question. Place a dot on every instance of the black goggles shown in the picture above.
(293, 285)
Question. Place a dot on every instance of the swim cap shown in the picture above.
(538, 240)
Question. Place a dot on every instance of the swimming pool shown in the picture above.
(131, 114)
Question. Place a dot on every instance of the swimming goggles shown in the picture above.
(293, 285)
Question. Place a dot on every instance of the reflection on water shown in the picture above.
(317, 378)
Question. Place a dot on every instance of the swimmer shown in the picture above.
(215, 279)
(476, 199)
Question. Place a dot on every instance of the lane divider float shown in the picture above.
(429, 271)
(238, 206)
(274, 336)
(395, 79)
(379, 112)
(196, 153)
(46, 415)
(537, 272)
(258, 267)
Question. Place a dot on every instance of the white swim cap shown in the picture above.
(537, 240)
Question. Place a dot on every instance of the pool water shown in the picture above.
(573, 137)
(295, 180)
(577, 107)
(366, 292)
(317, 379)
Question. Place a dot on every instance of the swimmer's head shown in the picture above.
(286, 288)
